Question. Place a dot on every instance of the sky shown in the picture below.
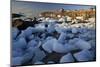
(33, 9)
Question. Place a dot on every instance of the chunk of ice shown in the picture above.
(48, 46)
(74, 30)
(62, 37)
(39, 62)
(16, 60)
(15, 31)
(63, 48)
(67, 58)
(21, 43)
(84, 55)
(29, 54)
(39, 55)
(82, 44)
(51, 62)
(32, 43)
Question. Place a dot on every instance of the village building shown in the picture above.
(71, 13)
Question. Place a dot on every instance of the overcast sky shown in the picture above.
(34, 8)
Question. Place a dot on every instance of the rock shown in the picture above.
(16, 61)
(67, 58)
(84, 55)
